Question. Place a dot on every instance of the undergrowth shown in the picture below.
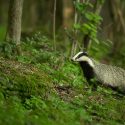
(43, 87)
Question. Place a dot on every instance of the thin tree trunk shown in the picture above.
(54, 25)
(75, 42)
(68, 13)
(118, 29)
(14, 21)
(33, 14)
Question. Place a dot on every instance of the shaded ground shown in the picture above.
(45, 88)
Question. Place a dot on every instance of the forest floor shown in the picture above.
(42, 87)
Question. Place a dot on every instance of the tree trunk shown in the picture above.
(75, 41)
(33, 13)
(68, 13)
(118, 29)
(14, 21)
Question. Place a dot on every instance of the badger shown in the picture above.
(105, 74)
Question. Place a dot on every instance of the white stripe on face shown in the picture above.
(74, 58)
(83, 58)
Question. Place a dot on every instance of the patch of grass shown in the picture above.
(42, 87)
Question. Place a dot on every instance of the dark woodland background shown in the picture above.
(39, 85)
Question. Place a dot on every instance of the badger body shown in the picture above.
(110, 75)
(106, 74)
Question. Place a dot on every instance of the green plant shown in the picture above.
(90, 19)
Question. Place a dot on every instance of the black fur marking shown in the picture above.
(87, 71)
(82, 54)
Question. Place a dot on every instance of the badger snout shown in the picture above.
(73, 59)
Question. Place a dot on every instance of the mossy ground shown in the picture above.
(43, 87)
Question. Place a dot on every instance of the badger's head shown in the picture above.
(83, 57)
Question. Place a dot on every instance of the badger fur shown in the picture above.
(106, 74)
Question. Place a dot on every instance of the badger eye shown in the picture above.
(76, 57)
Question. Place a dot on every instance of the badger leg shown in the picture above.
(93, 83)
(116, 89)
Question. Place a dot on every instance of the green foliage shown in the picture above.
(7, 48)
(43, 87)
(90, 20)
(82, 7)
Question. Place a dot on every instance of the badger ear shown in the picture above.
(85, 53)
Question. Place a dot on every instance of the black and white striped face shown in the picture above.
(83, 57)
